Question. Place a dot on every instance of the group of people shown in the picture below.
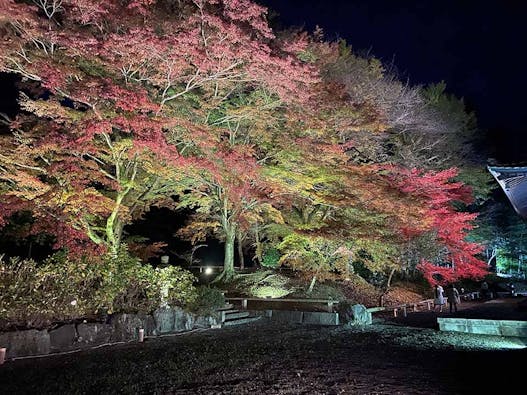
(452, 297)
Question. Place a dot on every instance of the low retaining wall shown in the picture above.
(303, 317)
(484, 327)
(121, 327)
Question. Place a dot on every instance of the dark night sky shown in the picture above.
(476, 47)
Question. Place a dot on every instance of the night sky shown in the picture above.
(476, 47)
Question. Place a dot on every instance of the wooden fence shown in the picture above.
(327, 302)
(402, 309)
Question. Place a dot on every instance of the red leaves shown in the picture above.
(75, 241)
(438, 192)
(142, 6)
(93, 128)
(87, 12)
(129, 100)
(237, 173)
(435, 186)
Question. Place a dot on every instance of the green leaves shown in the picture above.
(62, 288)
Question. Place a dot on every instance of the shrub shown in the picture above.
(322, 291)
(59, 289)
(262, 284)
(141, 288)
(206, 301)
(34, 294)
(130, 286)
(271, 258)
(273, 286)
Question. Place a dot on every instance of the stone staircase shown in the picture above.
(230, 316)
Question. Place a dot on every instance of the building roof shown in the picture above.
(513, 181)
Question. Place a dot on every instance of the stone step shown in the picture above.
(241, 321)
(234, 314)
(228, 306)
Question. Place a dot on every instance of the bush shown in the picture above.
(262, 284)
(34, 294)
(322, 291)
(206, 301)
(60, 289)
(271, 258)
(130, 286)
(273, 286)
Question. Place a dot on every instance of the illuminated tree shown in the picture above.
(128, 104)
(448, 226)
(119, 93)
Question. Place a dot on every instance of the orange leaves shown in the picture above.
(199, 228)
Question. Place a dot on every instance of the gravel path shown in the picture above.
(263, 358)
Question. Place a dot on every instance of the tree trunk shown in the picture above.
(491, 256)
(258, 247)
(386, 288)
(30, 249)
(240, 250)
(228, 262)
(240, 255)
(116, 231)
(114, 227)
(312, 285)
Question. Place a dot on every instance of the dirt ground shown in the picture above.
(392, 356)
(495, 309)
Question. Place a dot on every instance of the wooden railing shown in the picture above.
(397, 310)
(404, 308)
(328, 302)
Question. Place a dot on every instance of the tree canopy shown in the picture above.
(280, 140)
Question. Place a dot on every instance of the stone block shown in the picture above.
(93, 334)
(513, 328)
(483, 327)
(319, 318)
(126, 326)
(205, 322)
(183, 321)
(359, 315)
(292, 317)
(25, 343)
(64, 338)
(165, 319)
(452, 324)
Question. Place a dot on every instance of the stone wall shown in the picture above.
(121, 327)
(303, 317)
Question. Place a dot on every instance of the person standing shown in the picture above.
(484, 290)
(439, 299)
(452, 295)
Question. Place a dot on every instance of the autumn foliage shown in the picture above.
(269, 138)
